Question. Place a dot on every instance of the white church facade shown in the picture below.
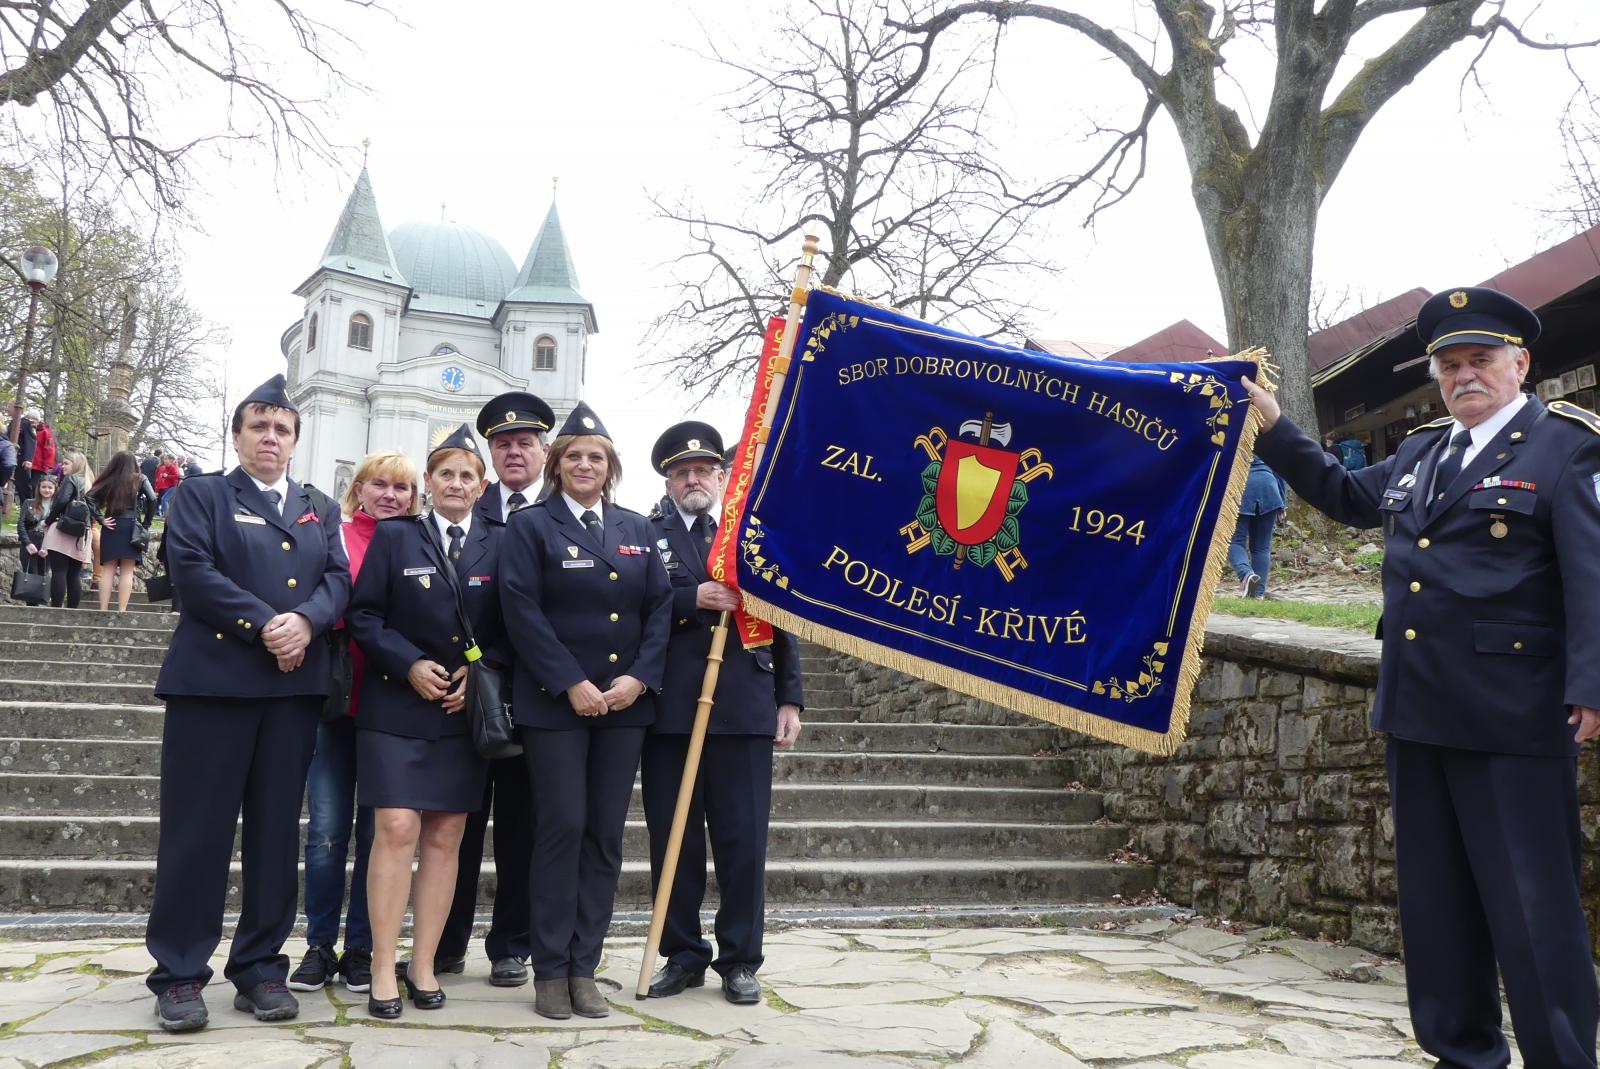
(407, 333)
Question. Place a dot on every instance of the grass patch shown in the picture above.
(1322, 614)
(1372, 559)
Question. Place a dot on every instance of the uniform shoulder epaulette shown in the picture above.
(625, 508)
(1435, 425)
(1566, 410)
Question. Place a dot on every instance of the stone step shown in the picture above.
(19, 651)
(46, 691)
(832, 737)
(85, 636)
(124, 837)
(45, 794)
(839, 711)
(85, 616)
(80, 720)
(142, 757)
(109, 886)
(143, 675)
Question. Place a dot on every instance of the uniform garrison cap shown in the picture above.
(584, 421)
(689, 440)
(274, 392)
(1474, 315)
(515, 411)
(460, 438)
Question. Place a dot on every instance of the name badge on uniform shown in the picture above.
(429, 570)
(585, 563)
(245, 517)
(1395, 494)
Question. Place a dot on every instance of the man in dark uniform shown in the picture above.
(261, 578)
(515, 426)
(758, 702)
(1491, 659)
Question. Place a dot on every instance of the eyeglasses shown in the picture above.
(702, 472)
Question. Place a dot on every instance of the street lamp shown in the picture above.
(39, 267)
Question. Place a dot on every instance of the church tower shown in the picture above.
(546, 322)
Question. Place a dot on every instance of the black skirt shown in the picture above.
(117, 543)
(443, 775)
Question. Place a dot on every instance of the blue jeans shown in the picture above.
(331, 802)
(1257, 530)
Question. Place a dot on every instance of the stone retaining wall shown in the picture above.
(1275, 809)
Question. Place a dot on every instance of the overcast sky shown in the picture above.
(476, 105)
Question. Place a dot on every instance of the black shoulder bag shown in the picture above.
(341, 670)
(487, 709)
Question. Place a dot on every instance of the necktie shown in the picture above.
(276, 499)
(590, 520)
(456, 534)
(704, 530)
(516, 500)
(1450, 466)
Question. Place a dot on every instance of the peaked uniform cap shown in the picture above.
(460, 438)
(689, 440)
(274, 392)
(584, 421)
(515, 411)
(1475, 315)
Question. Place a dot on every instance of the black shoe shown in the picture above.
(508, 972)
(423, 1000)
(319, 966)
(741, 988)
(456, 964)
(673, 978)
(269, 1001)
(385, 1009)
(181, 1008)
(356, 967)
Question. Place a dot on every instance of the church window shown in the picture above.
(361, 331)
(544, 354)
(311, 333)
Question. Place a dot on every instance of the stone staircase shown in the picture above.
(872, 813)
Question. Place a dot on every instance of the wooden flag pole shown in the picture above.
(719, 639)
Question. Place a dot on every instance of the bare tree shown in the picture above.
(860, 135)
(1580, 207)
(101, 74)
(1258, 193)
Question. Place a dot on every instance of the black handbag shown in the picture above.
(139, 541)
(336, 706)
(158, 587)
(30, 587)
(488, 705)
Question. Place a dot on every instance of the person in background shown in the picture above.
(385, 486)
(30, 526)
(148, 466)
(66, 553)
(588, 601)
(419, 769)
(1250, 553)
(27, 444)
(44, 446)
(8, 471)
(116, 497)
(191, 467)
(168, 476)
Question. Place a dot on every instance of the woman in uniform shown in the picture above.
(415, 762)
(589, 601)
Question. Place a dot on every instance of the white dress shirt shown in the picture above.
(282, 486)
(444, 525)
(1484, 432)
(529, 496)
(578, 510)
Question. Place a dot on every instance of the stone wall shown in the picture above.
(1275, 809)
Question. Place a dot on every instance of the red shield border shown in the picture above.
(987, 525)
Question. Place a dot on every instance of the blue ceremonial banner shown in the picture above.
(1039, 532)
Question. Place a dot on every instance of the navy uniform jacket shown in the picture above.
(751, 684)
(580, 607)
(1487, 639)
(403, 610)
(235, 563)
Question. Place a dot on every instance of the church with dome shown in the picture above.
(408, 332)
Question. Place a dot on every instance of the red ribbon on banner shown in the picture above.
(724, 560)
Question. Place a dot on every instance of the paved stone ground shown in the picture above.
(1336, 589)
(1157, 994)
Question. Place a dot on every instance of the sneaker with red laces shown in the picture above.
(269, 1001)
(181, 1008)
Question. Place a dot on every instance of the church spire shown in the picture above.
(358, 245)
(547, 275)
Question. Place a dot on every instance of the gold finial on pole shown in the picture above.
(719, 640)
(366, 145)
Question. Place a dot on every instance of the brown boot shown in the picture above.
(550, 999)
(587, 1001)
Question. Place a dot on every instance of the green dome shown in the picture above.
(452, 268)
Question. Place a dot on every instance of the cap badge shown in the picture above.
(694, 443)
(588, 423)
(1458, 299)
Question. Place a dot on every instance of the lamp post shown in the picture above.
(39, 266)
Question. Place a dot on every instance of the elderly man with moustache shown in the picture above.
(757, 706)
(516, 425)
(1489, 682)
(261, 575)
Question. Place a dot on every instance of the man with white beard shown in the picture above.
(758, 702)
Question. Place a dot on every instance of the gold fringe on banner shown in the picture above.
(1058, 713)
